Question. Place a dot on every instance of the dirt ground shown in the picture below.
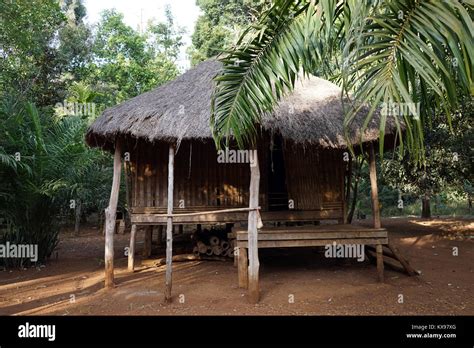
(293, 281)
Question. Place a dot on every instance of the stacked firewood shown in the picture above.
(212, 243)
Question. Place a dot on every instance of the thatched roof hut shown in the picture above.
(301, 173)
(180, 110)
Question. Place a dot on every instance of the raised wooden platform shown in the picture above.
(308, 236)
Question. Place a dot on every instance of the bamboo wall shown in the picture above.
(314, 178)
(200, 182)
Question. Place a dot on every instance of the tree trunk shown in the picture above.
(373, 187)
(355, 190)
(425, 206)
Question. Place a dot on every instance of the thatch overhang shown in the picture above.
(179, 110)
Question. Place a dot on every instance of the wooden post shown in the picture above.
(379, 250)
(169, 225)
(128, 193)
(254, 263)
(347, 191)
(373, 187)
(242, 268)
(131, 250)
(148, 240)
(110, 214)
(160, 235)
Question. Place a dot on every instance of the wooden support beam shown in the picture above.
(242, 268)
(131, 250)
(373, 187)
(347, 191)
(141, 218)
(128, 192)
(254, 263)
(379, 250)
(169, 225)
(160, 235)
(148, 239)
(207, 212)
(110, 214)
(387, 260)
(408, 268)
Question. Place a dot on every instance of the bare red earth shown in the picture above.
(293, 281)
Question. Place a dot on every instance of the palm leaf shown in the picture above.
(407, 51)
(265, 64)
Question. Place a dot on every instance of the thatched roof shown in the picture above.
(180, 110)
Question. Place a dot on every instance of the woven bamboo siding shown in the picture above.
(314, 177)
(332, 162)
(200, 181)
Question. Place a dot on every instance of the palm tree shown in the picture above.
(386, 52)
(54, 167)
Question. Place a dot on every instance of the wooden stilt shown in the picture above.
(373, 186)
(375, 208)
(379, 251)
(242, 268)
(254, 263)
(160, 235)
(110, 214)
(131, 250)
(236, 257)
(148, 239)
(128, 193)
(169, 226)
(409, 269)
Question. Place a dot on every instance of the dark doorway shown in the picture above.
(277, 191)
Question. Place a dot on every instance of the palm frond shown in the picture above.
(265, 64)
(413, 53)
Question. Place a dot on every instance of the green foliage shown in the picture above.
(262, 68)
(220, 25)
(28, 189)
(27, 32)
(392, 52)
(448, 159)
(54, 167)
(165, 37)
(50, 57)
(127, 63)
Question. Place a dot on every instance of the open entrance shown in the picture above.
(277, 191)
